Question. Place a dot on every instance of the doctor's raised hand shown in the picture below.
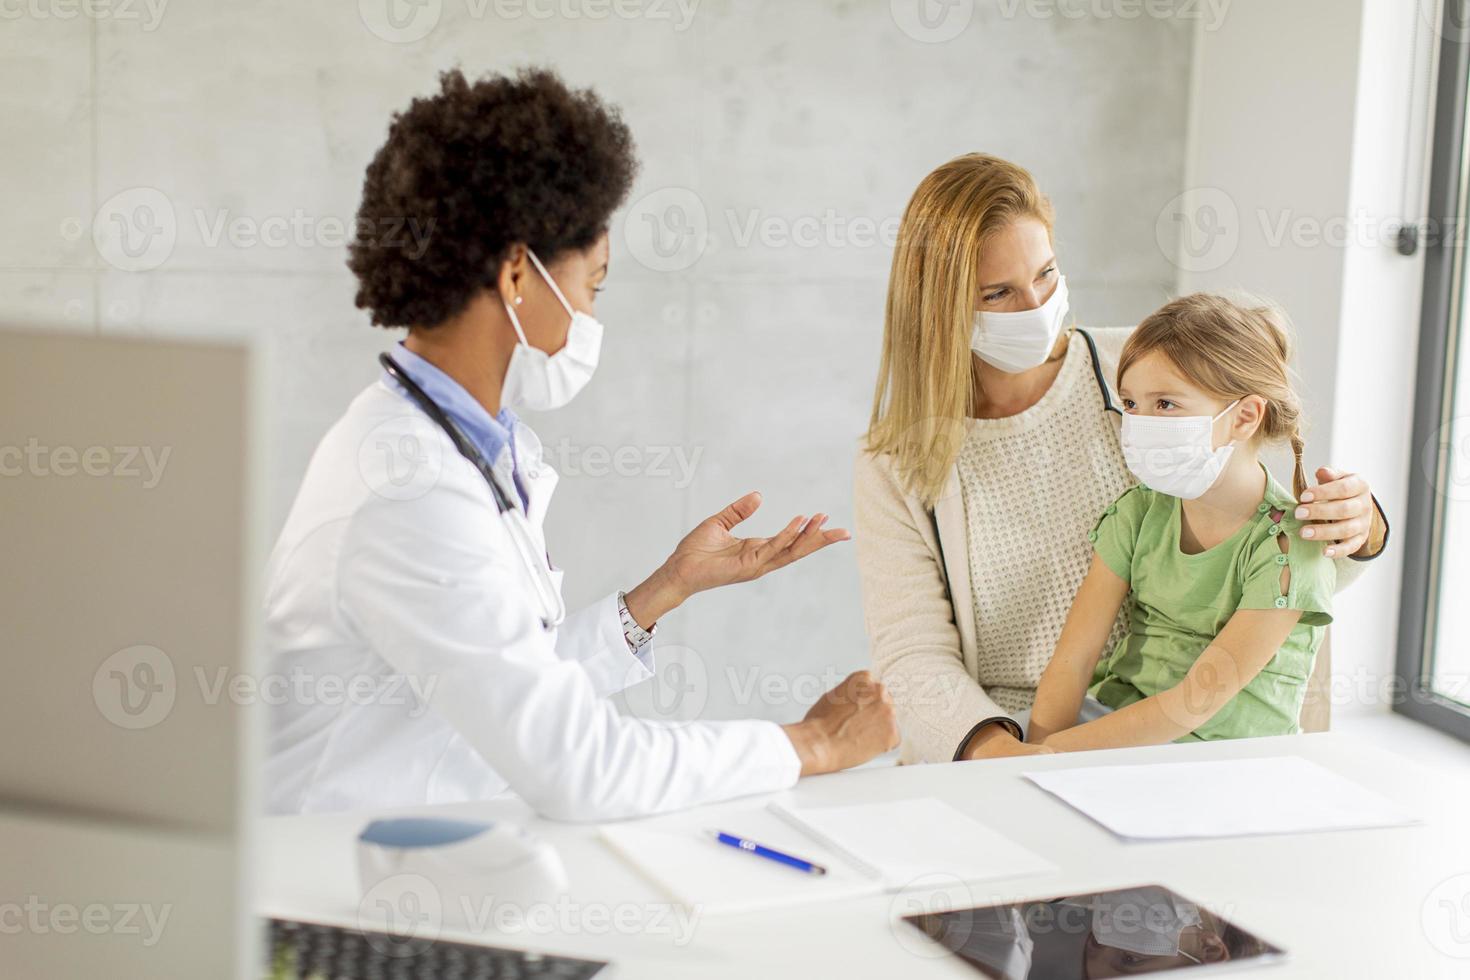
(483, 230)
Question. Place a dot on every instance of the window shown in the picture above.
(1434, 626)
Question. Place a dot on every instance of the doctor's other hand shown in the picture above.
(848, 725)
(710, 556)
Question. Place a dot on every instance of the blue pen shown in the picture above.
(760, 850)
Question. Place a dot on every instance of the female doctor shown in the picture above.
(412, 572)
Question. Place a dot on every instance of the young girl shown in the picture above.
(1227, 604)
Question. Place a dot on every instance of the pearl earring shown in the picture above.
(518, 300)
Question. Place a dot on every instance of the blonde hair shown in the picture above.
(926, 386)
(1230, 349)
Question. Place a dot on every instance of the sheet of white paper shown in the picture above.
(1233, 798)
(907, 840)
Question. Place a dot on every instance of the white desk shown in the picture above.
(1346, 905)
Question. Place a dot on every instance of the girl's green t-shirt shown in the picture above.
(1178, 603)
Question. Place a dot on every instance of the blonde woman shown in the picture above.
(992, 448)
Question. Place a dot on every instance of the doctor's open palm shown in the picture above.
(711, 556)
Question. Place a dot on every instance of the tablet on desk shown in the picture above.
(1122, 933)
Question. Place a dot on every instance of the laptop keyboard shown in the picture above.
(309, 951)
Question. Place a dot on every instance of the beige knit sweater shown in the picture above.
(963, 607)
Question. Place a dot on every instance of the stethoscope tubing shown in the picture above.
(554, 608)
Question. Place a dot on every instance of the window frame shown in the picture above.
(1440, 334)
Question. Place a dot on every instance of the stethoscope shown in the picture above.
(538, 568)
(1097, 372)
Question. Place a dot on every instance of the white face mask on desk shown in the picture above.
(540, 382)
(1176, 456)
(1020, 341)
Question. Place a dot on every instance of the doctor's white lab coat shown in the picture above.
(409, 664)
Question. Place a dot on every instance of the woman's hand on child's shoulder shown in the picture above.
(1339, 512)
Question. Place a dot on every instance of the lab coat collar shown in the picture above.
(495, 436)
(491, 434)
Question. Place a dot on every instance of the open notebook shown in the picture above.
(866, 848)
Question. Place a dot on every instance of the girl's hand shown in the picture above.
(1343, 515)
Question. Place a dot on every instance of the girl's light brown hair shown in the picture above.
(1230, 349)
(926, 387)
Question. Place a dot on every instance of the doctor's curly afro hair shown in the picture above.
(472, 170)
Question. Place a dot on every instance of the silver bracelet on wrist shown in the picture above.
(636, 636)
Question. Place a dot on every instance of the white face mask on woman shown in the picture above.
(540, 382)
(1016, 342)
(1176, 456)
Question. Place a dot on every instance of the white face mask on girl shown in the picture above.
(1176, 456)
(1016, 342)
(540, 382)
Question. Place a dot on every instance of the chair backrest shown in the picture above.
(1317, 707)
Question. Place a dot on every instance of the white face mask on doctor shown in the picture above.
(1020, 341)
(1176, 455)
(540, 382)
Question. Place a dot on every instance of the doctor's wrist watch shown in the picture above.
(636, 636)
